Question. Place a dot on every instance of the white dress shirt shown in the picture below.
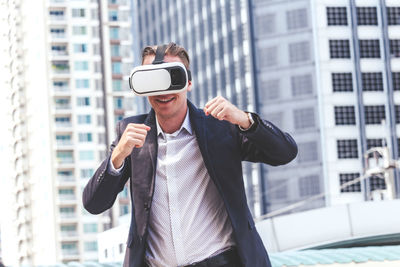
(188, 220)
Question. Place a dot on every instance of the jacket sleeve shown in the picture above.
(102, 189)
(264, 142)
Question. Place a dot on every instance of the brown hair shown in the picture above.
(172, 50)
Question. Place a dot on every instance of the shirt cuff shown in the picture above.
(113, 170)
(251, 122)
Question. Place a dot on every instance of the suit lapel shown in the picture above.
(198, 122)
(143, 164)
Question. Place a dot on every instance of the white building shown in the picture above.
(65, 71)
(328, 73)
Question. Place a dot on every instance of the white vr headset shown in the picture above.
(159, 78)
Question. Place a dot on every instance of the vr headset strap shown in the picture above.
(160, 52)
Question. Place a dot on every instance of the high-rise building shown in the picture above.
(327, 72)
(66, 65)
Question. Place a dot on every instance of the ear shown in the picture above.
(189, 87)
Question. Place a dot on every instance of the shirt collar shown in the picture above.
(185, 125)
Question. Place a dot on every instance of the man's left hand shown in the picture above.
(222, 109)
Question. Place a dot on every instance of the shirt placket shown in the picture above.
(173, 201)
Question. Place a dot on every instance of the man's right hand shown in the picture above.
(133, 136)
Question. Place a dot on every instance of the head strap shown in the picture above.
(160, 52)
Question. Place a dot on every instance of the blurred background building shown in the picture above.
(66, 65)
(326, 71)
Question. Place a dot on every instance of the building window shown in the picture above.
(65, 157)
(269, 57)
(82, 83)
(374, 114)
(397, 113)
(118, 103)
(80, 48)
(296, 19)
(372, 81)
(113, 15)
(376, 183)
(367, 16)
(342, 82)
(270, 90)
(117, 85)
(339, 48)
(376, 142)
(347, 149)
(123, 209)
(81, 65)
(265, 24)
(278, 189)
(116, 68)
(79, 30)
(302, 85)
(304, 118)
(115, 51)
(349, 177)
(114, 33)
(78, 12)
(85, 137)
(337, 16)
(394, 48)
(308, 152)
(369, 49)
(83, 101)
(299, 52)
(345, 115)
(393, 15)
(87, 173)
(309, 185)
(84, 119)
(396, 81)
(90, 228)
(90, 246)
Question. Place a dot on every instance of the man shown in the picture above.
(189, 205)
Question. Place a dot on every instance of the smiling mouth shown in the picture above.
(166, 100)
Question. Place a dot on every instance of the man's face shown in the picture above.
(171, 105)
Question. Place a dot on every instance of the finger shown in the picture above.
(217, 110)
(139, 126)
(137, 136)
(222, 114)
(136, 130)
(214, 105)
(135, 142)
(211, 102)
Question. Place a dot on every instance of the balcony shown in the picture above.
(68, 215)
(69, 234)
(66, 179)
(64, 142)
(70, 252)
(67, 198)
(60, 68)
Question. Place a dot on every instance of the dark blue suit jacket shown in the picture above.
(223, 147)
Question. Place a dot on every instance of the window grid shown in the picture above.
(367, 16)
(347, 149)
(342, 82)
(339, 48)
(372, 81)
(376, 183)
(309, 185)
(394, 48)
(302, 85)
(396, 81)
(345, 115)
(348, 177)
(337, 16)
(296, 19)
(304, 118)
(397, 113)
(374, 114)
(393, 15)
(369, 49)
(374, 142)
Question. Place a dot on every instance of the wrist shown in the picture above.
(246, 126)
(117, 159)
